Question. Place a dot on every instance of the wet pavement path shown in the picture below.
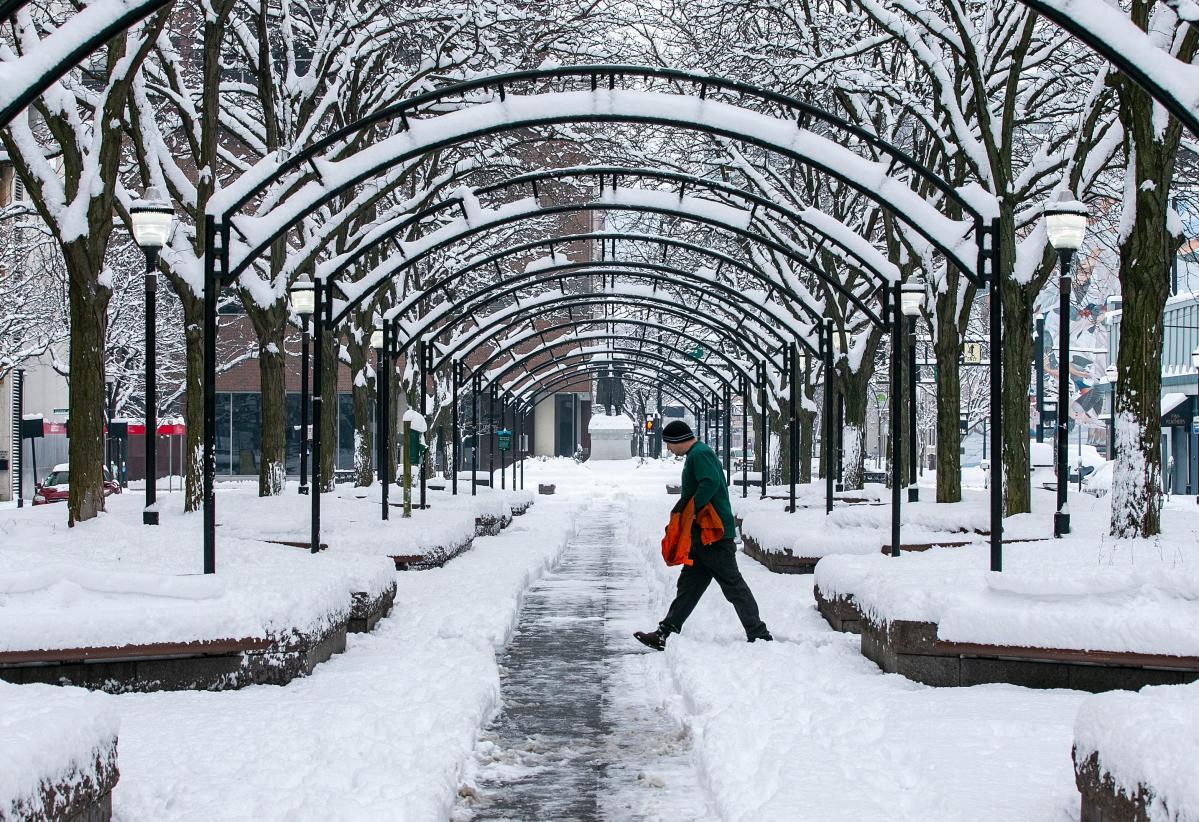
(584, 733)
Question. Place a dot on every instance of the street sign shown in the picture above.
(880, 397)
(504, 439)
(972, 353)
(696, 353)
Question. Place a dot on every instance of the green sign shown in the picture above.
(416, 447)
(696, 353)
(504, 439)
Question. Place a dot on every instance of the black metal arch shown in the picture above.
(462, 348)
(725, 324)
(494, 259)
(1077, 27)
(566, 360)
(81, 35)
(640, 376)
(549, 346)
(690, 181)
(804, 113)
(356, 295)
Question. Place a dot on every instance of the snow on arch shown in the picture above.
(952, 237)
(454, 231)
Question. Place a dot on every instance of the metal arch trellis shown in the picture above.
(881, 271)
(510, 219)
(464, 349)
(471, 340)
(570, 358)
(494, 259)
(801, 147)
(550, 347)
(647, 378)
(1077, 27)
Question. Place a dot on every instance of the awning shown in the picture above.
(1170, 402)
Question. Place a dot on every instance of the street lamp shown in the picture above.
(911, 302)
(303, 302)
(153, 219)
(1066, 225)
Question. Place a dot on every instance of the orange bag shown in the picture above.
(676, 544)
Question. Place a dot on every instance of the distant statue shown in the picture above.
(609, 392)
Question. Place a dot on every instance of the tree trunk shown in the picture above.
(193, 404)
(362, 388)
(855, 386)
(949, 402)
(327, 360)
(807, 423)
(1146, 255)
(89, 329)
(272, 467)
(780, 464)
(1016, 354)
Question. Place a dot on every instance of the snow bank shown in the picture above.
(48, 735)
(610, 422)
(1149, 738)
(1086, 591)
(111, 581)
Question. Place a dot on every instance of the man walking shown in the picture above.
(703, 485)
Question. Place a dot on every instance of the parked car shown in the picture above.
(54, 487)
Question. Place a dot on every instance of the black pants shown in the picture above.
(717, 561)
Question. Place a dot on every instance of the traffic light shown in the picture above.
(650, 424)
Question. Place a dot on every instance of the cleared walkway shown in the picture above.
(583, 734)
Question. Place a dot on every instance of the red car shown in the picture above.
(54, 487)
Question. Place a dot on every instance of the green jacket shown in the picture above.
(703, 479)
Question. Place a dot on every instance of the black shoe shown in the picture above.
(764, 636)
(653, 639)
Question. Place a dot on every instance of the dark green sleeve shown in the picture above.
(709, 478)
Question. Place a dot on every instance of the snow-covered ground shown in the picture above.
(715, 728)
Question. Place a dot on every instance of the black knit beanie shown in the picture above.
(676, 431)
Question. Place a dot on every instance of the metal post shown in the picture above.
(318, 396)
(426, 355)
(896, 427)
(1061, 519)
(1040, 357)
(828, 416)
(18, 458)
(793, 422)
(503, 454)
(150, 513)
(407, 434)
(491, 441)
(456, 378)
(305, 336)
(991, 254)
(764, 458)
(728, 435)
(210, 301)
(745, 389)
(657, 441)
(913, 490)
(383, 382)
(517, 427)
(474, 451)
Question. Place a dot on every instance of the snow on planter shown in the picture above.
(611, 436)
(1136, 755)
(59, 753)
(111, 585)
(1064, 599)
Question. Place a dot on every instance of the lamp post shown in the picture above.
(911, 299)
(1111, 374)
(1039, 354)
(110, 410)
(153, 219)
(1066, 225)
(1195, 362)
(303, 302)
